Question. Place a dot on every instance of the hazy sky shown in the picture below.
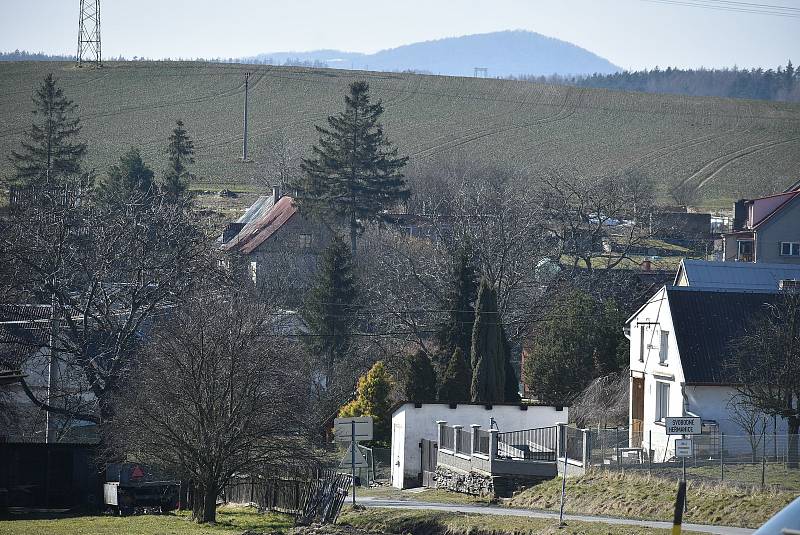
(630, 33)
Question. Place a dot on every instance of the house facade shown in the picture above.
(680, 340)
(765, 230)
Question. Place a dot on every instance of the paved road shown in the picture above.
(507, 511)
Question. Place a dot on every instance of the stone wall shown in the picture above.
(473, 483)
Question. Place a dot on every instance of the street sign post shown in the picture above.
(683, 425)
(347, 460)
(683, 447)
(352, 430)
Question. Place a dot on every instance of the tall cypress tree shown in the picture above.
(456, 380)
(353, 172)
(330, 308)
(49, 155)
(181, 154)
(511, 387)
(419, 378)
(456, 332)
(488, 363)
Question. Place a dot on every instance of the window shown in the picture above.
(641, 343)
(254, 272)
(744, 251)
(663, 349)
(790, 248)
(304, 241)
(662, 401)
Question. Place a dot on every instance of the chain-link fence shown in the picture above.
(763, 461)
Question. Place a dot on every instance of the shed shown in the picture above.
(414, 422)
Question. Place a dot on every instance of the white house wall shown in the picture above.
(411, 424)
(713, 403)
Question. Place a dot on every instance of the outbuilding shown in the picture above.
(416, 423)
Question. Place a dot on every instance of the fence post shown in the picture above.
(561, 434)
(586, 450)
(763, 471)
(649, 452)
(492, 448)
(440, 424)
(474, 441)
(722, 456)
(457, 429)
(616, 444)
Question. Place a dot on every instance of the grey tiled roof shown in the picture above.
(740, 276)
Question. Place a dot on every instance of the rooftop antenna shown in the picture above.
(481, 72)
(89, 33)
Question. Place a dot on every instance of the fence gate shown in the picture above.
(428, 454)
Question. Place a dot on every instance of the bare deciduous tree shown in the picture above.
(216, 392)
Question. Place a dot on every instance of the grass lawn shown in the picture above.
(427, 495)
(639, 496)
(439, 522)
(230, 520)
(775, 475)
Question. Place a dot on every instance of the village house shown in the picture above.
(680, 340)
(743, 276)
(765, 229)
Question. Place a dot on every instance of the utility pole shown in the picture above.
(89, 33)
(244, 142)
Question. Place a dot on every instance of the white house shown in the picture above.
(679, 341)
(412, 423)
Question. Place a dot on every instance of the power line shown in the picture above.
(734, 7)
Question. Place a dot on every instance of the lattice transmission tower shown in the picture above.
(89, 49)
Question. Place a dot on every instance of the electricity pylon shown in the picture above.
(89, 33)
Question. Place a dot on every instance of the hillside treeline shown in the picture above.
(781, 84)
(24, 55)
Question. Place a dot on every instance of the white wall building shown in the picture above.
(679, 342)
(411, 423)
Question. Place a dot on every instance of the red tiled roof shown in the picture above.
(260, 230)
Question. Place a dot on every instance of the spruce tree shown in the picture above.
(488, 363)
(129, 181)
(456, 380)
(456, 332)
(329, 311)
(353, 171)
(49, 154)
(419, 378)
(181, 153)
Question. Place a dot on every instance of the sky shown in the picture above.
(632, 34)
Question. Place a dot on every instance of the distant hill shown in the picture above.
(509, 53)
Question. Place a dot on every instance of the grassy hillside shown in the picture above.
(726, 148)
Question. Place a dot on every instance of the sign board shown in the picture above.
(683, 425)
(347, 460)
(683, 447)
(343, 428)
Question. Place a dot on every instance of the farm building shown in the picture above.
(414, 423)
(679, 343)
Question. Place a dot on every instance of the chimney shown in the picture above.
(276, 194)
(739, 214)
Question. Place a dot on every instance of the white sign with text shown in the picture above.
(683, 425)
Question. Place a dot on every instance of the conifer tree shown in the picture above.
(488, 363)
(419, 378)
(456, 332)
(353, 171)
(330, 308)
(511, 387)
(456, 380)
(49, 154)
(181, 153)
(129, 181)
(373, 399)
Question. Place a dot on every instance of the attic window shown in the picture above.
(304, 241)
(790, 248)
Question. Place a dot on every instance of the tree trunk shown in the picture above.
(205, 503)
(794, 428)
(353, 232)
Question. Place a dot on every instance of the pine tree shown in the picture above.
(488, 364)
(373, 399)
(456, 332)
(129, 181)
(181, 153)
(329, 311)
(49, 155)
(419, 378)
(456, 380)
(353, 172)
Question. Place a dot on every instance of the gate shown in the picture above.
(428, 454)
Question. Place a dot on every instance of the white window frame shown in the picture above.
(793, 248)
(305, 241)
(254, 271)
(662, 400)
(739, 254)
(663, 348)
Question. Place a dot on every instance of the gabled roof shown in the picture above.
(23, 330)
(706, 323)
(736, 276)
(262, 227)
(256, 210)
(789, 197)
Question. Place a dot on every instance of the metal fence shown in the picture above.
(481, 439)
(763, 461)
(464, 442)
(448, 438)
(574, 438)
(540, 444)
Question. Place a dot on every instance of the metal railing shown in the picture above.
(448, 438)
(540, 444)
(481, 442)
(464, 442)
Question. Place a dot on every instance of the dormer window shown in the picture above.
(790, 248)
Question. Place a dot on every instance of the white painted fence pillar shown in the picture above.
(474, 441)
(492, 448)
(440, 424)
(457, 430)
